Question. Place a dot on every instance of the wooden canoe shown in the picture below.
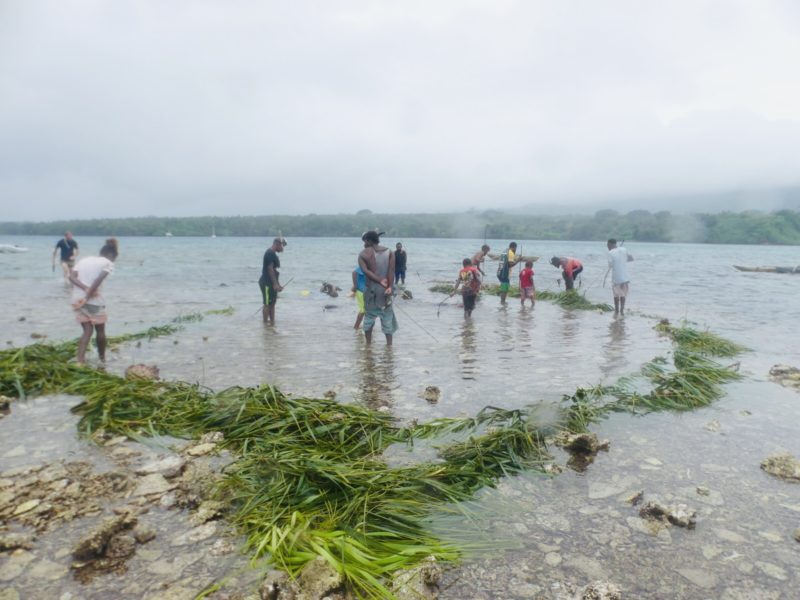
(790, 270)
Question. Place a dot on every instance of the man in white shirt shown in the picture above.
(618, 259)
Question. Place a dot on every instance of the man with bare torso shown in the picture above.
(377, 263)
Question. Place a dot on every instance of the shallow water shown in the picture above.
(571, 529)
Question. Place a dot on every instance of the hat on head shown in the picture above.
(372, 236)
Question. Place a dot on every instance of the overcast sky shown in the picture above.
(117, 108)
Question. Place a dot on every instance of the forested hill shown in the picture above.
(782, 227)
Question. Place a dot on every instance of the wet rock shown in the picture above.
(330, 395)
(195, 485)
(678, 514)
(772, 570)
(197, 534)
(600, 590)
(786, 376)
(47, 570)
(9, 594)
(700, 577)
(318, 579)
(702, 490)
(151, 485)
(169, 466)
(207, 511)
(784, 466)
(221, 547)
(330, 289)
(635, 498)
(730, 536)
(200, 449)
(12, 541)
(432, 394)
(26, 506)
(553, 469)
(418, 583)
(121, 546)
(212, 437)
(796, 534)
(144, 533)
(276, 586)
(581, 443)
(15, 564)
(713, 426)
(553, 559)
(141, 371)
(94, 544)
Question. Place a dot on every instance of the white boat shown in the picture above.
(11, 249)
(168, 234)
(213, 232)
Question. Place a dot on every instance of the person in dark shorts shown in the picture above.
(570, 269)
(400, 257)
(268, 281)
(507, 261)
(470, 279)
(69, 252)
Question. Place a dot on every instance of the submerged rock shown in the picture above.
(786, 376)
(796, 535)
(678, 514)
(785, 466)
(418, 583)
(600, 590)
(317, 580)
(581, 443)
(330, 289)
(12, 541)
(141, 371)
(169, 466)
(95, 544)
(432, 394)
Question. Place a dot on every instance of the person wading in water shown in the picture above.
(377, 262)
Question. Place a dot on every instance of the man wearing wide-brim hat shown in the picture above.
(377, 262)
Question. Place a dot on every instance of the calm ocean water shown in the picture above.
(503, 357)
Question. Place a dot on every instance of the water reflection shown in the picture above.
(469, 350)
(614, 350)
(377, 377)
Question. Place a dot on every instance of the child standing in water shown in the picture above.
(359, 285)
(526, 287)
(470, 279)
(88, 303)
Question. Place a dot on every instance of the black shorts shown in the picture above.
(469, 301)
(268, 294)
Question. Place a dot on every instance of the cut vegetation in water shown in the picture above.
(565, 299)
(309, 478)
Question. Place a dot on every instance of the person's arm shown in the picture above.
(96, 284)
(456, 286)
(390, 274)
(73, 279)
(74, 252)
(55, 251)
(369, 273)
(273, 277)
(355, 282)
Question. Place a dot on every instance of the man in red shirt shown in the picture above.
(570, 269)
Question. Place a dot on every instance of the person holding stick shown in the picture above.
(269, 280)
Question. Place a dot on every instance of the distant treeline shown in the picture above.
(781, 227)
